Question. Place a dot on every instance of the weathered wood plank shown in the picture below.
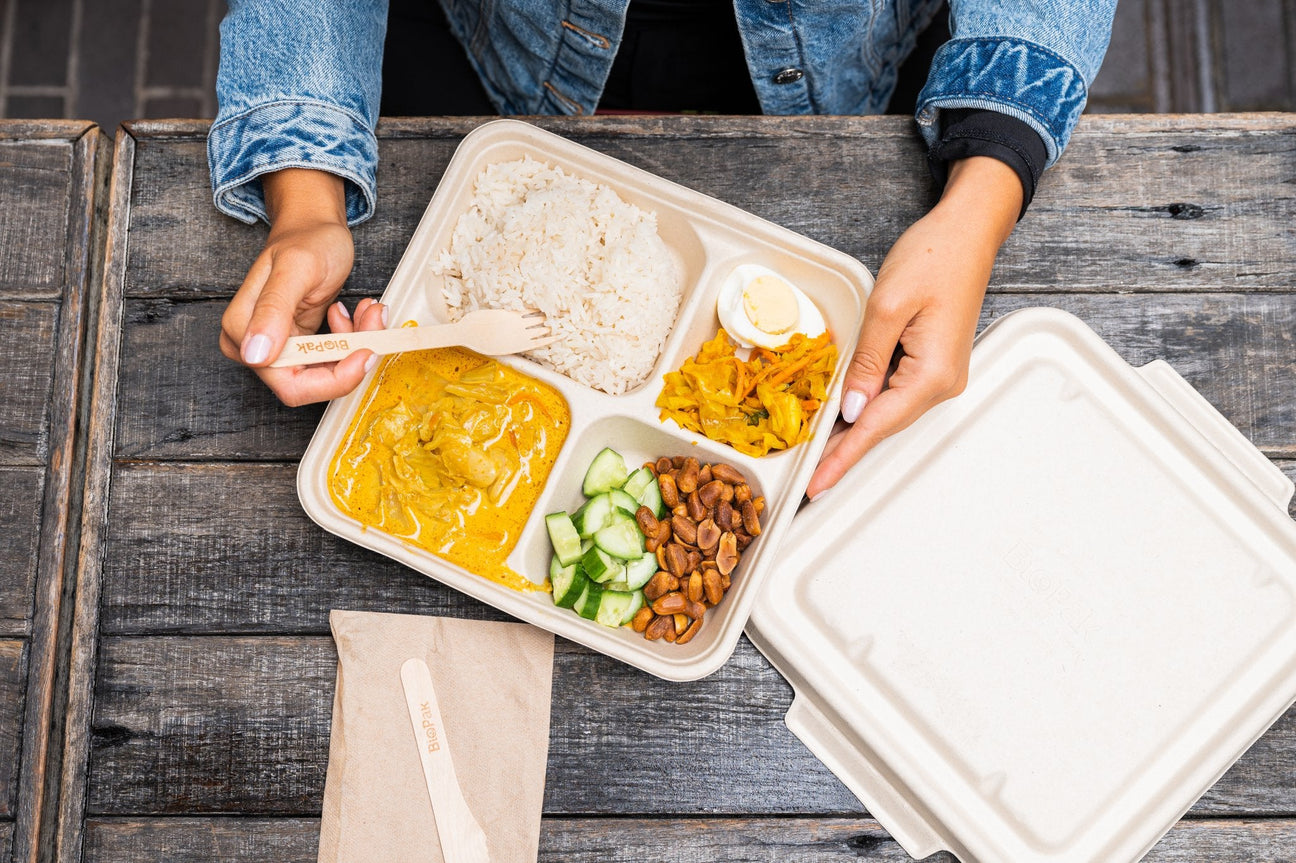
(27, 360)
(186, 553)
(13, 686)
(633, 840)
(1238, 350)
(60, 833)
(19, 488)
(35, 212)
(1138, 203)
(50, 174)
(206, 725)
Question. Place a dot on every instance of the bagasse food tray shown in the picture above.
(1055, 611)
(708, 238)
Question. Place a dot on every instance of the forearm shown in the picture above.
(985, 195)
(299, 197)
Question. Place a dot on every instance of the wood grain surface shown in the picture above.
(51, 177)
(201, 667)
(634, 840)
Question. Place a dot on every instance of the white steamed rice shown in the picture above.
(534, 237)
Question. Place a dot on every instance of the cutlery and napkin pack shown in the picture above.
(492, 685)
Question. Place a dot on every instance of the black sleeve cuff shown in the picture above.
(973, 132)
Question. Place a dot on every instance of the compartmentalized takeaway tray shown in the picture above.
(709, 238)
(1043, 621)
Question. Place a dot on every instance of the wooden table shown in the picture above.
(50, 178)
(201, 664)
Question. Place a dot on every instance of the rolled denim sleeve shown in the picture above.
(298, 87)
(1031, 60)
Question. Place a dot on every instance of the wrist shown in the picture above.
(985, 195)
(301, 197)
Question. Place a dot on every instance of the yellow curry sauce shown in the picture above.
(449, 451)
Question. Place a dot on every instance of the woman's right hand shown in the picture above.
(290, 286)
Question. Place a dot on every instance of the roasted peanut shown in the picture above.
(727, 493)
(658, 585)
(727, 473)
(742, 492)
(684, 530)
(694, 561)
(687, 480)
(642, 618)
(708, 534)
(726, 582)
(710, 494)
(682, 622)
(677, 462)
(727, 553)
(711, 586)
(704, 475)
(659, 627)
(676, 559)
(695, 610)
(647, 521)
(697, 510)
(694, 589)
(687, 635)
(751, 522)
(681, 510)
(672, 603)
(743, 538)
(669, 493)
(663, 466)
(671, 634)
(758, 504)
(724, 516)
(663, 532)
(661, 556)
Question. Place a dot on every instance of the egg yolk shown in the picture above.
(770, 304)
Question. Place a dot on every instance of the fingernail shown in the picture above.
(256, 349)
(343, 309)
(384, 314)
(370, 363)
(817, 495)
(852, 403)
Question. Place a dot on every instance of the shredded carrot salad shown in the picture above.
(755, 405)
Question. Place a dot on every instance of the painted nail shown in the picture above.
(343, 309)
(256, 349)
(384, 315)
(852, 403)
(370, 363)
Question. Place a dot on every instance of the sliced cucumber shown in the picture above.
(588, 604)
(622, 538)
(651, 498)
(606, 472)
(636, 604)
(637, 482)
(612, 607)
(562, 534)
(623, 501)
(593, 516)
(568, 583)
(638, 572)
(601, 566)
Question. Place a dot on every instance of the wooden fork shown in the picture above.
(488, 331)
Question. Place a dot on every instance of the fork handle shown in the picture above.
(329, 348)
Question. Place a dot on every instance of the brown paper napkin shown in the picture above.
(493, 682)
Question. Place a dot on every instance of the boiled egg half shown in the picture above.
(759, 308)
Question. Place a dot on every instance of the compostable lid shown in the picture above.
(1040, 623)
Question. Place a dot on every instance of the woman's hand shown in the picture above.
(923, 312)
(290, 286)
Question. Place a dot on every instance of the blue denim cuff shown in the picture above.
(1012, 76)
(291, 134)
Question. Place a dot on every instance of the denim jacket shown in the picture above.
(299, 82)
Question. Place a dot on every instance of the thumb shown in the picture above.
(879, 336)
(272, 317)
